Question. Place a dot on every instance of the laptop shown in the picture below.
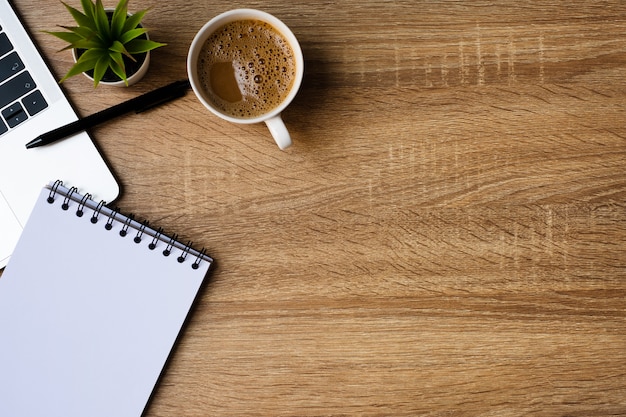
(32, 103)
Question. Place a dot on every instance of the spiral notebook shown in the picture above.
(91, 304)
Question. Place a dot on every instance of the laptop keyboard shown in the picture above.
(19, 96)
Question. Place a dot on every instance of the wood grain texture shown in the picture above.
(445, 237)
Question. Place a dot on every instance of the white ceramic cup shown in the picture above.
(272, 118)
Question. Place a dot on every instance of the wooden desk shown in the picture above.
(445, 237)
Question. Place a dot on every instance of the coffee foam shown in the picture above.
(263, 68)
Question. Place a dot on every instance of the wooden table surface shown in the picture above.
(445, 237)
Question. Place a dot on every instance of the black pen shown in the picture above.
(137, 104)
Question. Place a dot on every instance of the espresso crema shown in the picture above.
(247, 68)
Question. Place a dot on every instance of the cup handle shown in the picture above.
(279, 131)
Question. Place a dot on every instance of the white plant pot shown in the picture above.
(132, 79)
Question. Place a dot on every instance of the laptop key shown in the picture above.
(3, 127)
(10, 65)
(14, 114)
(5, 44)
(16, 88)
(34, 102)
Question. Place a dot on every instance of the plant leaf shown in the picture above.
(100, 68)
(132, 34)
(82, 31)
(102, 22)
(118, 48)
(137, 46)
(133, 20)
(80, 18)
(117, 65)
(79, 67)
(88, 44)
(119, 71)
(93, 54)
(119, 19)
(68, 37)
(88, 8)
(116, 58)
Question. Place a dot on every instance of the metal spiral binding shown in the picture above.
(112, 216)
(111, 219)
(140, 232)
(53, 191)
(196, 263)
(126, 225)
(155, 239)
(170, 245)
(68, 198)
(183, 255)
(81, 205)
(158, 236)
(96, 213)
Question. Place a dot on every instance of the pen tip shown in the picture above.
(33, 143)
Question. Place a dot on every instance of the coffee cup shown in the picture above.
(246, 66)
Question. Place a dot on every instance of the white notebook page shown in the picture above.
(87, 317)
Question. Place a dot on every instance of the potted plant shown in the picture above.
(108, 45)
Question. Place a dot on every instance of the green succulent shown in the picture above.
(105, 39)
